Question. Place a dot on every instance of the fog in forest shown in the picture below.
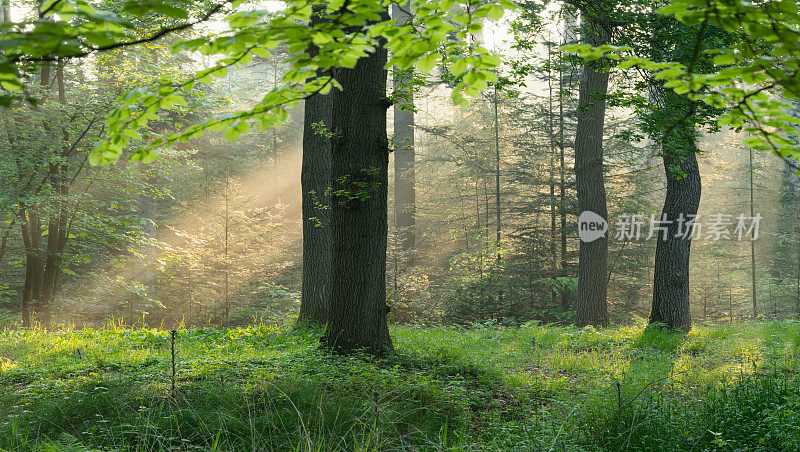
(210, 232)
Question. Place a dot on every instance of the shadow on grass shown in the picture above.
(635, 416)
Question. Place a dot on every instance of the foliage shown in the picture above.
(754, 77)
(352, 30)
(484, 387)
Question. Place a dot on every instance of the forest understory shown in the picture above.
(533, 387)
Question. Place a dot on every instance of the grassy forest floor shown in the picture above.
(721, 387)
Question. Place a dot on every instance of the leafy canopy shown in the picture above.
(756, 79)
(439, 31)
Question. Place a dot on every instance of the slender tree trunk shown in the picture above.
(404, 153)
(562, 186)
(592, 308)
(551, 171)
(315, 179)
(570, 27)
(147, 212)
(226, 267)
(478, 230)
(56, 240)
(44, 267)
(671, 270)
(497, 172)
(4, 241)
(31, 229)
(752, 242)
(360, 150)
(27, 289)
(552, 179)
(51, 268)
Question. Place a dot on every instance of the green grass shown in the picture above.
(724, 387)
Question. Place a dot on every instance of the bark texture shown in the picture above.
(671, 270)
(591, 307)
(315, 182)
(360, 159)
(404, 154)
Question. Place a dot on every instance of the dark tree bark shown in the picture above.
(31, 228)
(360, 151)
(404, 154)
(671, 270)
(315, 183)
(56, 241)
(591, 307)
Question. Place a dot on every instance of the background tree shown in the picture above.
(403, 147)
(592, 308)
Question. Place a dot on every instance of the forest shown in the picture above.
(368, 225)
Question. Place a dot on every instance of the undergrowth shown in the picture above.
(723, 387)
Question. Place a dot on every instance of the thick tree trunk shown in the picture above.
(404, 154)
(315, 182)
(671, 271)
(360, 150)
(592, 308)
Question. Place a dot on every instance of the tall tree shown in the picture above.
(359, 170)
(752, 242)
(673, 120)
(43, 265)
(592, 308)
(315, 184)
(671, 271)
(404, 153)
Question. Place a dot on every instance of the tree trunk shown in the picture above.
(31, 229)
(552, 177)
(592, 308)
(562, 186)
(404, 154)
(671, 271)
(56, 241)
(315, 180)
(752, 242)
(360, 151)
(57, 221)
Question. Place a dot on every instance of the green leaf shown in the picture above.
(724, 60)
(458, 67)
(170, 11)
(231, 134)
(426, 63)
(495, 12)
(13, 86)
